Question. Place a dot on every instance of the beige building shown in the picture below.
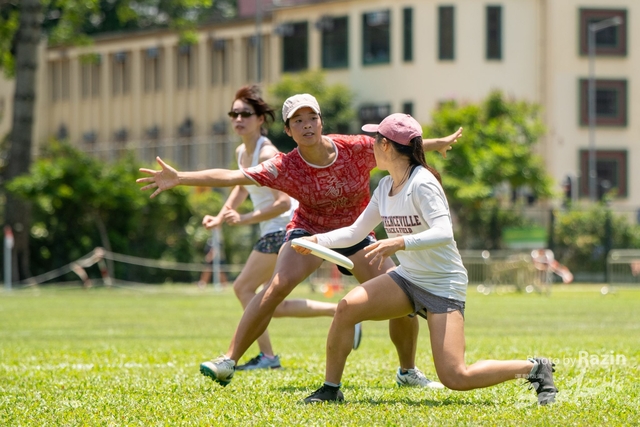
(146, 92)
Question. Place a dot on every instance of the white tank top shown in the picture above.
(262, 197)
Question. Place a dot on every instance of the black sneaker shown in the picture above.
(542, 381)
(325, 394)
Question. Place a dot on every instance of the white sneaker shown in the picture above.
(415, 378)
(220, 370)
(357, 337)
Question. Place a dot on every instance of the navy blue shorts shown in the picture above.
(270, 243)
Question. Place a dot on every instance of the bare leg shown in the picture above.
(378, 299)
(448, 345)
(402, 330)
(257, 270)
(291, 269)
(404, 335)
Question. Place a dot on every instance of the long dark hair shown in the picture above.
(414, 152)
(251, 95)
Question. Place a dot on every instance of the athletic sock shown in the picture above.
(534, 370)
(332, 385)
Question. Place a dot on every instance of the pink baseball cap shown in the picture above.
(400, 128)
(296, 102)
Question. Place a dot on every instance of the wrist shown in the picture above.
(402, 243)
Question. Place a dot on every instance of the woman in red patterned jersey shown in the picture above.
(272, 209)
(329, 176)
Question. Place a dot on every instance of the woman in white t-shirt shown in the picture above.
(430, 281)
(272, 209)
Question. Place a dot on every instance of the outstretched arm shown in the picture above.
(168, 177)
(441, 145)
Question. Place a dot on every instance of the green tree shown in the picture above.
(80, 203)
(495, 153)
(583, 237)
(335, 102)
(70, 22)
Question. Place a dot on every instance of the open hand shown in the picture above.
(379, 251)
(447, 141)
(161, 180)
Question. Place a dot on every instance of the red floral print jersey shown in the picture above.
(329, 197)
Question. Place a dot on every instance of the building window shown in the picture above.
(373, 113)
(152, 70)
(407, 108)
(376, 39)
(407, 34)
(295, 46)
(90, 76)
(494, 32)
(335, 41)
(59, 76)
(120, 74)
(611, 172)
(611, 102)
(445, 33)
(251, 60)
(609, 41)
(186, 67)
(219, 62)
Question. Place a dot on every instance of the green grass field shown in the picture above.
(130, 356)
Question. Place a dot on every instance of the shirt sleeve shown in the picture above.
(433, 207)
(266, 173)
(440, 233)
(348, 236)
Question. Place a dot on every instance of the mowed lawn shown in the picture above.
(130, 356)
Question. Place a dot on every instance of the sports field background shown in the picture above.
(130, 356)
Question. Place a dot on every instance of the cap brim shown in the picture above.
(313, 107)
(370, 128)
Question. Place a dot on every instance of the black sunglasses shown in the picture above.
(243, 114)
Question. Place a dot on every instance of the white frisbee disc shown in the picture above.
(324, 253)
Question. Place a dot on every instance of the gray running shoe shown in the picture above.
(220, 370)
(260, 362)
(325, 394)
(357, 337)
(542, 380)
(415, 378)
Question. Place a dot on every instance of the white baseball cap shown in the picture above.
(296, 102)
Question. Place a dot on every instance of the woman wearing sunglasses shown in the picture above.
(329, 176)
(272, 209)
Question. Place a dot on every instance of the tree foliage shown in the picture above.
(68, 22)
(583, 237)
(79, 203)
(335, 102)
(495, 157)
(75, 22)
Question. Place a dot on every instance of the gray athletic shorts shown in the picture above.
(424, 300)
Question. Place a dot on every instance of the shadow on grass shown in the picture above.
(447, 401)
